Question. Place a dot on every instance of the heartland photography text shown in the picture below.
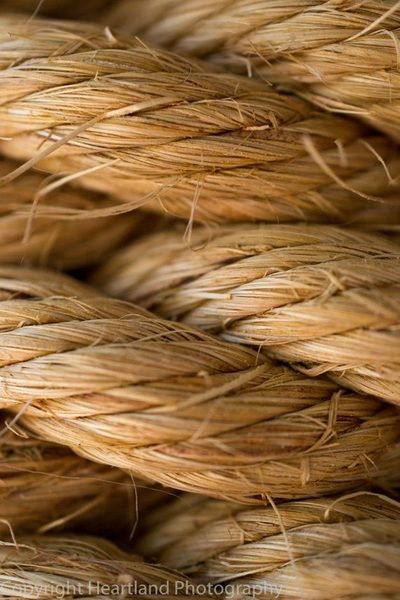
(167, 589)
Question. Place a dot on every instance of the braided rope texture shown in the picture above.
(176, 405)
(342, 55)
(45, 487)
(154, 128)
(322, 298)
(333, 547)
(81, 567)
(45, 234)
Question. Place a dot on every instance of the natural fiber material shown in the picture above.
(24, 282)
(181, 407)
(45, 234)
(219, 540)
(45, 487)
(46, 567)
(147, 125)
(320, 548)
(341, 55)
(322, 298)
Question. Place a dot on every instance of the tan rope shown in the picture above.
(337, 546)
(322, 298)
(178, 406)
(222, 542)
(171, 133)
(45, 234)
(46, 487)
(343, 55)
(82, 567)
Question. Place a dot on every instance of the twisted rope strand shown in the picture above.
(292, 549)
(220, 541)
(151, 127)
(82, 567)
(178, 406)
(41, 233)
(44, 486)
(341, 55)
(322, 298)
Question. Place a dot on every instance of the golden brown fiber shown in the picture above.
(147, 125)
(322, 298)
(44, 567)
(176, 405)
(45, 487)
(343, 55)
(44, 234)
(331, 547)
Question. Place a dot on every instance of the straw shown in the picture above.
(45, 487)
(321, 298)
(180, 407)
(177, 135)
(82, 567)
(342, 56)
(44, 233)
(344, 547)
